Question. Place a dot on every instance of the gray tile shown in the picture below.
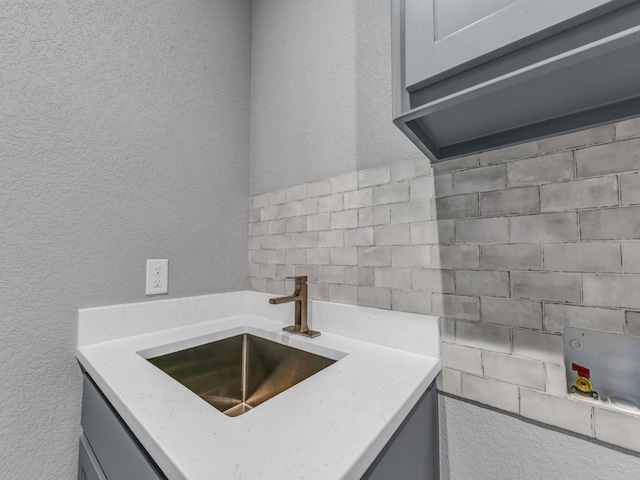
(433, 232)
(346, 219)
(614, 157)
(297, 193)
(295, 256)
(411, 168)
(451, 382)
(480, 179)
(630, 188)
(269, 242)
(617, 428)
(460, 163)
(395, 278)
(456, 206)
(577, 194)
(374, 297)
(481, 335)
(422, 187)
(414, 256)
(362, 276)
(556, 317)
(286, 240)
(511, 369)
(583, 257)
(261, 200)
(632, 323)
(331, 203)
(343, 294)
(374, 256)
(628, 128)
(331, 238)
(331, 274)
(409, 212)
(560, 287)
(612, 290)
(512, 257)
(374, 176)
(433, 280)
(318, 256)
(344, 183)
(268, 213)
(258, 284)
(358, 198)
(455, 306)
(563, 413)
(359, 237)
(308, 206)
(631, 256)
(409, 301)
(582, 138)
(276, 287)
(556, 380)
(490, 392)
(483, 230)
(545, 227)
(392, 234)
(522, 150)
(474, 282)
(287, 210)
(391, 193)
(369, 216)
(461, 358)
(443, 184)
(277, 226)
(296, 224)
(544, 169)
(455, 256)
(307, 240)
(511, 312)
(542, 346)
(321, 221)
(510, 201)
(319, 188)
(344, 256)
(610, 224)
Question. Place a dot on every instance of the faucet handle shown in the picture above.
(301, 280)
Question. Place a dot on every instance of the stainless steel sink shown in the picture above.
(239, 373)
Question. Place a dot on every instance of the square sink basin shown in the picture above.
(239, 373)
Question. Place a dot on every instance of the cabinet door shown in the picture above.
(88, 466)
(443, 37)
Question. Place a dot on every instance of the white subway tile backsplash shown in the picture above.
(344, 183)
(359, 237)
(617, 428)
(490, 392)
(461, 358)
(374, 176)
(392, 234)
(562, 412)
(391, 193)
(509, 247)
(516, 370)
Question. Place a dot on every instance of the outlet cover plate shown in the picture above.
(157, 276)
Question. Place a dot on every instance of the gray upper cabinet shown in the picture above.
(472, 75)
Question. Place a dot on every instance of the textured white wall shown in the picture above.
(124, 136)
(478, 443)
(321, 91)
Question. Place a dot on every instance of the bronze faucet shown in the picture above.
(301, 327)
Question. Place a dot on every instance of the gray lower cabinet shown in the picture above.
(471, 76)
(109, 451)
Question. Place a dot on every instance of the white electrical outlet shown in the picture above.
(157, 276)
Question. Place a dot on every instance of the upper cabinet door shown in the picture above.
(443, 37)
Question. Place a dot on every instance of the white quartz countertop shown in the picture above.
(330, 426)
